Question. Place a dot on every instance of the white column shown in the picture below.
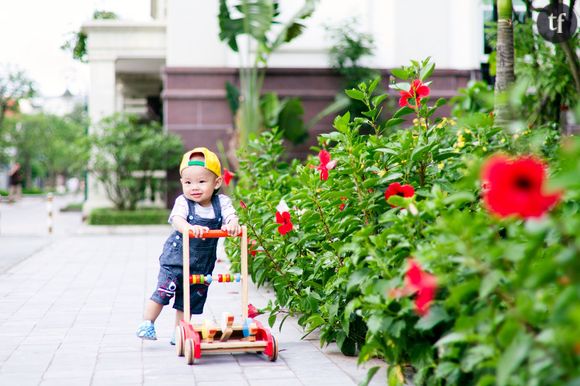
(101, 104)
(466, 34)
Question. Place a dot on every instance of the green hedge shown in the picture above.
(3, 193)
(108, 216)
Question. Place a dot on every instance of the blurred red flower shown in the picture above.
(515, 187)
(253, 311)
(396, 189)
(285, 221)
(417, 91)
(252, 246)
(343, 204)
(325, 164)
(425, 284)
(228, 176)
(243, 205)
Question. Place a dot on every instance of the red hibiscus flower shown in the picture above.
(420, 282)
(342, 205)
(285, 221)
(417, 91)
(253, 311)
(325, 164)
(228, 176)
(425, 284)
(396, 189)
(515, 187)
(252, 246)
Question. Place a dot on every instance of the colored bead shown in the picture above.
(220, 278)
(238, 277)
(209, 279)
(246, 329)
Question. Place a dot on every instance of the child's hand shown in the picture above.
(198, 230)
(233, 229)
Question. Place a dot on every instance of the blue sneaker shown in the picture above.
(146, 330)
(172, 341)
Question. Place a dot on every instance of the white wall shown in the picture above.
(192, 34)
(450, 31)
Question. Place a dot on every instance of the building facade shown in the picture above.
(177, 61)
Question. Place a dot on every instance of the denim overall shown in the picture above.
(201, 261)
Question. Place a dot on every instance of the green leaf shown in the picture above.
(403, 111)
(378, 99)
(454, 337)
(370, 374)
(395, 375)
(436, 315)
(440, 102)
(403, 86)
(418, 152)
(400, 73)
(488, 284)
(272, 320)
(394, 121)
(355, 94)
(373, 85)
(398, 201)
(341, 122)
(459, 198)
(391, 177)
(427, 71)
(379, 323)
(513, 357)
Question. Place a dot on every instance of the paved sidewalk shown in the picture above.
(68, 315)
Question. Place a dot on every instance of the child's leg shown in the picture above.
(178, 317)
(152, 310)
(146, 329)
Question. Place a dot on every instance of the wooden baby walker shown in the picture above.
(248, 336)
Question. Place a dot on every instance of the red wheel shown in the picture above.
(179, 340)
(274, 355)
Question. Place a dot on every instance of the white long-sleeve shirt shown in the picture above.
(181, 209)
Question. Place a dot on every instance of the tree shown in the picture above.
(48, 145)
(14, 86)
(127, 153)
(504, 61)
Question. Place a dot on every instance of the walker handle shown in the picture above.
(213, 234)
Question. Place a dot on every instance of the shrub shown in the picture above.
(108, 216)
(128, 153)
(507, 290)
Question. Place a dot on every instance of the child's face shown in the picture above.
(198, 184)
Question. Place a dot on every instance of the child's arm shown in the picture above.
(233, 228)
(230, 217)
(181, 225)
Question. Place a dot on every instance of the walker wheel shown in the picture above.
(179, 340)
(189, 359)
(274, 355)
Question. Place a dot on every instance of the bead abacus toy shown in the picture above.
(249, 336)
(220, 278)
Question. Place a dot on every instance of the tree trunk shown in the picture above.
(505, 62)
